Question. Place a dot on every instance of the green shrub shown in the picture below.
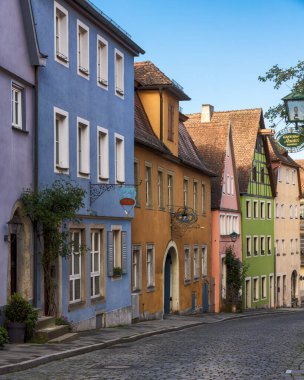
(3, 336)
(62, 320)
(20, 311)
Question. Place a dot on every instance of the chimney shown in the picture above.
(207, 111)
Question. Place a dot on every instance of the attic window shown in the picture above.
(170, 122)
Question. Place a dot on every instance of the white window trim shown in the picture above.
(265, 277)
(255, 207)
(138, 287)
(83, 174)
(120, 177)
(63, 60)
(102, 82)
(20, 90)
(65, 115)
(258, 290)
(150, 284)
(262, 210)
(101, 130)
(187, 193)
(187, 264)
(257, 239)
(261, 248)
(196, 273)
(250, 291)
(73, 277)
(120, 92)
(248, 201)
(267, 237)
(79, 72)
(204, 267)
(250, 252)
(96, 273)
(270, 210)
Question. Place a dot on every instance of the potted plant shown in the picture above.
(117, 272)
(21, 318)
(3, 337)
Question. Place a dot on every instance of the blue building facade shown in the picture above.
(85, 135)
(19, 58)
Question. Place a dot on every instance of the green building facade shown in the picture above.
(258, 231)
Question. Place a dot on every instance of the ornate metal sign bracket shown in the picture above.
(98, 189)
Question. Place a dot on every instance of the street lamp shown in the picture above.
(233, 236)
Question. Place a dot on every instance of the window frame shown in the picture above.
(248, 244)
(204, 261)
(83, 52)
(20, 91)
(263, 287)
(187, 264)
(119, 82)
(186, 197)
(204, 199)
(120, 161)
(195, 196)
(62, 55)
(103, 169)
(83, 148)
(160, 188)
(97, 273)
(196, 262)
(63, 152)
(137, 181)
(136, 273)
(148, 185)
(170, 190)
(269, 245)
(150, 266)
(72, 276)
(248, 208)
(255, 289)
(102, 67)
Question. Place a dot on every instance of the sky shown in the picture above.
(216, 49)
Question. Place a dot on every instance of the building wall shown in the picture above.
(64, 88)
(259, 265)
(152, 225)
(16, 147)
(287, 228)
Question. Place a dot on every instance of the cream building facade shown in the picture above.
(286, 227)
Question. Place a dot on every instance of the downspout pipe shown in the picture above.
(161, 113)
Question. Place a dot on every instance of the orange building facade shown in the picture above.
(171, 229)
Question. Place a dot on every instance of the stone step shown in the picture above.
(64, 338)
(44, 322)
(49, 333)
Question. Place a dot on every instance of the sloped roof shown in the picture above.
(149, 77)
(211, 140)
(301, 165)
(187, 151)
(245, 125)
(278, 153)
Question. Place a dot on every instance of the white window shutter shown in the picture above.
(124, 263)
(110, 253)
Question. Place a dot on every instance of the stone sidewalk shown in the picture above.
(18, 357)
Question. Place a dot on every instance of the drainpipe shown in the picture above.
(161, 132)
(35, 142)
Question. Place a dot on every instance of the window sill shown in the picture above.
(292, 253)
(284, 254)
(149, 207)
(278, 254)
(24, 131)
(196, 279)
(76, 305)
(187, 282)
(61, 169)
(136, 291)
(83, 175)
(150, 289)
(103, 83)
(62, 57)
(96, 300)
(116, 278)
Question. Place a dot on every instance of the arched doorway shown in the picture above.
(170, 271)
(20, 277)
(294, 277)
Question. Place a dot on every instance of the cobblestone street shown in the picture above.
(262, 347)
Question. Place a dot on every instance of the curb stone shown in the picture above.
(16, 367)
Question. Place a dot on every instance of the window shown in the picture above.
(277, 210)
(75, 267)
(263, 278)
(186, 192)
(254, 173)
(228, 184)
(83, 49)
(119, 73)
(297, 246)
(280, 174)
(248, 209)
(136, 268)
(293, 176)
(102, 62)
(255, 246)
(287, 175)
(83, 146)
(290, 212)
(291, 246)
(103, 154)
(170, 191)
(224, 184)
(204, 199)
(117, 251)
(195, 196)
(269, 245)
(148, 182)
(283, 247)
(232, 185)
(262, 238)
(255, 289)
(262, 204)
(170, 122)
(187, 269)
(223, 225)
(137, 181)
(248, 245)
(255, 209)
(268, 210)
(296, 212)
(17, 107)
(119, 158)
(160, 188)
(204, 261)
(282, 211)
(235, 227)
(277, 248)
(61, 35)
(150, 265)
(61, 141)
(95, 263)
(196, 262)
(262, 175)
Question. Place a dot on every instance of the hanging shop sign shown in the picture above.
(291, 139)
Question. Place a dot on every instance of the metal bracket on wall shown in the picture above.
(98, 189)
